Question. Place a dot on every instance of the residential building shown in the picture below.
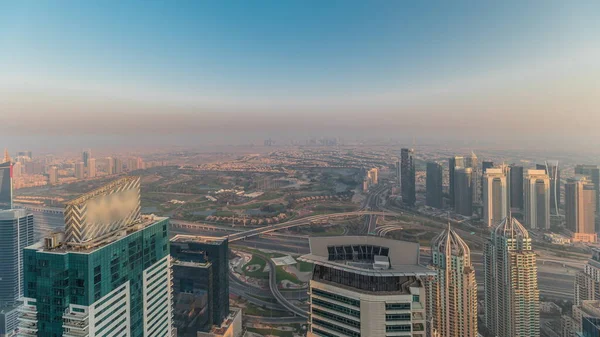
(91, 168)
(580, 209)
(108, 274)
(587, 281)
(593, 173)
(433, 185)
(537, 199)
(511, 286)
(463, 193)
(553, 172)
(16, 233)
(453, 163)
(573, 326)
(516, 187)
(473, 163)
(201, 272)
(86, 156)
(495, 196)
(366, 286)
(590, 327)
(452, 294)
(486, 164)
(408, 184)
(53, 175)
(79, 170)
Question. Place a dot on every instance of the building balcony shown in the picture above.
(75, 332)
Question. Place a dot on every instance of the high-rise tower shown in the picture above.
(553, 172)
(473, 163)
(495, 196)
(511, 287)
(366, 286)
(593, 173)
(463, 193)
(452, 295)
(407, 186)
(109, 274)
(516, 187)
(453, 163)
(433, 188)
(580, 209)
(6, 186)
(537, 199)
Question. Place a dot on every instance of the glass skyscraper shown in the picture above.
(6, 185)
(115, 282)
(433, 185)
(407, 171)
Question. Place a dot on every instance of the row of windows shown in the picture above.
(336, 307)
(395, 328)
(320, 332)
(339, 298)
(397, 306)
(397, 317)
(336, 318)
(337, 328)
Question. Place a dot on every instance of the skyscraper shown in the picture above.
(85, 157)
(587, 282)
(511, 286)
(53, 175)
(79, 170)
(537, 199)
(107, 274)
(553, 172)
(433, 188)
(473, 163)
(516, 187)
(453, 163)
(486, 165)
(580, 209)
(399, 172)
(463, 193)
(593, 173)
(16, 233)
(216, 252)
(495, 196)
(408, 186)
(6, 186)
(91, 168)
(452, 295)
(366, 286)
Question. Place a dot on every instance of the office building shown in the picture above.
(580, 209)
(473, 163)
(85, 157)
(79, 170)
(399, 172)
(408, 185)
(452, 294)
(372, 176)
(511, 287)
(453, 163)
(201, 275)
(553, 172)
(593, 173)
(433, 185)
(53, 175)
(16, 233)
(6, 185)
(108, 274)
(590, 327)
(91, 168)
(463, 193)
(587, 281)
(366, 286)
(486, 165)
(495, 196)
(537, 199)
(515, 186)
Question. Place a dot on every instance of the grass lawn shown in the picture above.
(270, 196)
(254, 310)
(284, 275)
(329, 231)
(257, 273)
(224, 213)
(305, 266)
(249, 206)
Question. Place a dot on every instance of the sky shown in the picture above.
(238, 70)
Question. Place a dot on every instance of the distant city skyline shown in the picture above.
(302, 68)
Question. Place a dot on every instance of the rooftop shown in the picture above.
(363, 255)
(102, 190)
(88, 247)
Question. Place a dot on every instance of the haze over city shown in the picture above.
(511, 72)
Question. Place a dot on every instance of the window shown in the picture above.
(416, 298)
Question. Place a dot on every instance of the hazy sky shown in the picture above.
(474, 69)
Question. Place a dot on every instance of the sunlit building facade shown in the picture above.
(511, 287)
(495, 196)
(537, 199)
(452, 294)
